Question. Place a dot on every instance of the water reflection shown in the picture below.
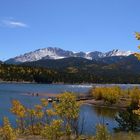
(105, 112)
(94, 115)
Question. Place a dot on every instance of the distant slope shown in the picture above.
(62, 63)
(129, 63)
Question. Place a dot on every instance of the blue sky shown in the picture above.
(77, 25)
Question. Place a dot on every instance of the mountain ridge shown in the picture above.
(83, 62)
(58, 53)
(114, 69)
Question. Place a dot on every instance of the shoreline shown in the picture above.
(83, 100)
(15, 82)
(101, 104)
(61, 83)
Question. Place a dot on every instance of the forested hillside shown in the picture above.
(75, 70)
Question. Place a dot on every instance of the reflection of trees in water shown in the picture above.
(105, 112)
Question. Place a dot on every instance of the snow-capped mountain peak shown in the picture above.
(58, 53)
(118, 53)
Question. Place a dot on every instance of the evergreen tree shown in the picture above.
(128, 120)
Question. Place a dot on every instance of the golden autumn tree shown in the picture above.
(68, 110)
(6, 131)
(35, 116)
(102, 133)
(137, 35)
(53, 131)
(20, 111)
(138, 110)
(109, 94)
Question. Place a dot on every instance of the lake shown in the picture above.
(90, 114)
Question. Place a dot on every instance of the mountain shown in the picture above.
(46, 53)
(57, 53)
(61, 64)
(1, 62)
(113, 69)
(120, 63)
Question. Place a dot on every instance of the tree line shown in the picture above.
(45, 75)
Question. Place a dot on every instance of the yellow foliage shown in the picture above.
(135, 94)
(137, 34)
(108, 94)
(68, 110)
(68, 107)
(18, 109)
(7, 132)
(53, 131)
(50, 112)
(138, 110)
(44, 102)
(97, 93)
(34, 129)
(38, 111)
(102, 133)
(31, 112)
(35, 116)
(137, 55)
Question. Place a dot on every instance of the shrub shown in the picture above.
(127, 120)
(108, 94)
(97, 93)
(20, 111)
(53, 131)
(68, 110)
(102, 133)
(7, 132)
(135, 95)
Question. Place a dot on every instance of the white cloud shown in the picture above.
(13, 23)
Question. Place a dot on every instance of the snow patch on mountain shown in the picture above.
(118, 53)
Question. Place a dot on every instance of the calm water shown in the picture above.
(91, 115)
